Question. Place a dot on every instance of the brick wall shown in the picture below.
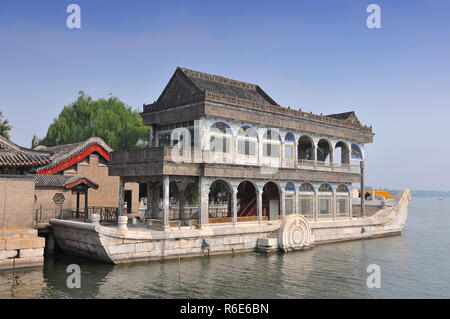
(16, 201)
(44, 198)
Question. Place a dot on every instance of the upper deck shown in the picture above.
(191, 95)
(158, 161)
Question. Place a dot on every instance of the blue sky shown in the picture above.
(317, 55)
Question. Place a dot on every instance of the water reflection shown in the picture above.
(23, 283)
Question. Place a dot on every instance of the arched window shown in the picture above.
(305, 149)
(306, 187)
(220, 202)
(271, 200)
(324, 149)
(324, 198)
(271, 144)
(356, 152)
(289, 198)
(289, 142)
(306, 200)
(342, 201)
(290, 187)
(247, 209)
(342, 153)
(342, 189)
(220, 137)
(247, 140)
(326, 188)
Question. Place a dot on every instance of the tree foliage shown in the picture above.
(4, 127)
(110, 119)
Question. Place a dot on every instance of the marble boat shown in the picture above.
(123, 243)
(229, 170)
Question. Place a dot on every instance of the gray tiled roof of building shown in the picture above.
(225, 86)
(63, 153)
(60, 180)
(12, 155)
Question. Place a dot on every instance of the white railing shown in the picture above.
(340, 167)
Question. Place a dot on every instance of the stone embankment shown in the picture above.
(20, 248)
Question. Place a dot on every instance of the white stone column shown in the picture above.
(296, 202)
(234, 204)
(259, 203)
(121, 195)
(148, 211)
(166, 201)
(156, 199)
(332, 157)
(283, 205)
(295, 153)
(350, 207)
(202, 134)
(333, 204)
(282, 153)
(203, 203)
(260, 147)
(233, 151)
(314, 155)
(316, 205)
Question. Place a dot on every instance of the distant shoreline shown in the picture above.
(419, 193)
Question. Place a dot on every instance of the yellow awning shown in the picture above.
(380, 193)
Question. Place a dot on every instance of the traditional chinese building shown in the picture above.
(223, 151)
(68, 172)
(88, 159)
(16, 160)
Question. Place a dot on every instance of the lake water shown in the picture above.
(414, 265)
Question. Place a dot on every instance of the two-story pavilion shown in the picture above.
(223, 151)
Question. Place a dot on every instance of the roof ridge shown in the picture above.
(66, 154)
(11, 146)
(218, 79)
(60, 180)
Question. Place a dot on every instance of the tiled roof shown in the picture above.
(346, 116)
(63, 153)
(191, 87)
(12, 155)
(62, 181)
(224, 86)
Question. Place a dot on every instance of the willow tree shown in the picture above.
(4, 127)
(110, 119)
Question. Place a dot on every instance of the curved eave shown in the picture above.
(55, 168)
(84, 181)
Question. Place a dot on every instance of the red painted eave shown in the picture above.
(76, 159)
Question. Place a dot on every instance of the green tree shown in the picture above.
(110, 119)
(4, 127)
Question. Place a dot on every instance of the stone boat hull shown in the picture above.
(115, 245)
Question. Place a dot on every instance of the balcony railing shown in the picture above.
(340, 167)
(162, 153)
